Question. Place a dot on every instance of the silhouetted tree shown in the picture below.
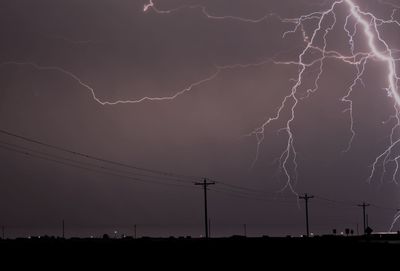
(334, 231)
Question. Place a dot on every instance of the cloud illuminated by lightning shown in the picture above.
(378, 50)
(358, 23)
(364, 21)
(369, 25)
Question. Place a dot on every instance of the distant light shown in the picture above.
(341, 233)
(91, 236)
(312, 234)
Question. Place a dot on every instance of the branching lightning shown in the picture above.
(358, 23)
(395, 220)
(206, 13)
(92, 91)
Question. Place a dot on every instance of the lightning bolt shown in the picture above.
(176, 94)
(395, 220)
(312, 57)
(206, 13)
(357, 22)
(92, 91)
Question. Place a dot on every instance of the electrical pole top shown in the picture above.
(364, 206)
(306, 197)
(204, 183)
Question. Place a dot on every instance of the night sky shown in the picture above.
(123, 53)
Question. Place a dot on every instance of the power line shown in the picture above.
(105, 170)
(244, 192)
(88, 156)
(118, 173)
(243, 188)
(241, 196)
(168, 175)
(250, 191)
(123, 174)
(347, 203)
(354, 204)
(89, 164)
(92, 169)
(384, 207)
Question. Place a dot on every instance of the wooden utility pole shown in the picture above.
(205, 184)
(306, 198)
(364, 206)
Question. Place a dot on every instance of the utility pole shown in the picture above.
(364, 205)
(205, 183)
(306, 198)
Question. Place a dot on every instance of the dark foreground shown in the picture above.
(287, 252)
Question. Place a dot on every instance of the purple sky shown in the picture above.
(123, 53)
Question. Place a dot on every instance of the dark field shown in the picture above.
(237, 248)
